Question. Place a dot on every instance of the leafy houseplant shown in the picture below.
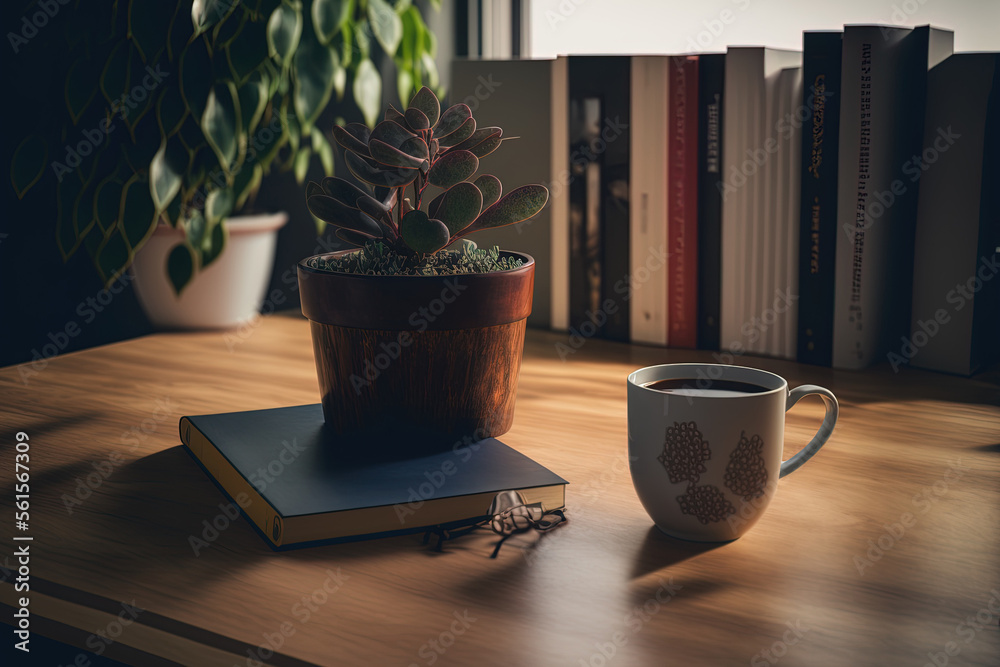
(416, 342)
(212, 95)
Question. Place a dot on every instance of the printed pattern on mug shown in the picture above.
(685, 451)
(706, 502)
(746, 472)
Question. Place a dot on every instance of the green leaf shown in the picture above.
(385, 24)
(491, 188)
(195, 228)
(404, 80)
(322, 148)
(246, 182)
(113, 257)
(302, 164)
(218, 205)
(79, 90)
(28, 164)
(427, 102)
(205, 13)
(329, 17)
(220, 123)
(460, 207)
(166, 172)
(284, 29)
(520, 204)
(214, 243)
(253, 100)
(137, 216)
(363, 37)
(196, 76)
(422, 233)
(248, 51)
(368, 91)
(452, 168)
(107, 201)
(180, 266)
(67, 193)
(146, 22)
(430, 69)
(170, 111)
(314, 70)
(114, 76)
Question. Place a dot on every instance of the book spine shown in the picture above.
(682, 185)
(648, 195)
(232, 483)
(559, 201)
(711, 72)
(818, 202)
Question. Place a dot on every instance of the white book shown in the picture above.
(884, 73)
(648, 199)
(749, 171)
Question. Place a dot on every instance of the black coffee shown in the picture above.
(704, 387)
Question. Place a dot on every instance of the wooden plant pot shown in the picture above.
(417, 362)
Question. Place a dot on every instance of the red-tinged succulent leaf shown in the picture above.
(427, 102)
(453, 168)
(385, 178)
(353, 137)
(479, 136)
(343, 190)
(385, 154)
(416, 119)
(491, 188)
(484, 148)
(433, 148)
(435, 203)
(463, 132)
(416, 147)
(391, 133)
(423, 234)
(393, 114)
(340, 214)
(516, 206)
(461, 205)
(352, 237)
(452, 119)
(314, 188)
(372, 207)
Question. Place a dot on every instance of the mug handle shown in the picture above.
(825, 430)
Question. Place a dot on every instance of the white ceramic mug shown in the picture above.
(706, 466)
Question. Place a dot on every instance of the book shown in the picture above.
(599, 120)
(682, 202)
(956, 292)
(650, 255)
(821, 62)
(711, 73)
(884, 79)
(527, 98)
(759, 195)
(281, 467)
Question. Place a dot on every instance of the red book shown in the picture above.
(682, 206)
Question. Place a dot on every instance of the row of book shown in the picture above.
(832, 205)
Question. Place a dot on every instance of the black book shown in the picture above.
(821, 65)
(599, 95)
(281, 467)
(711, 79)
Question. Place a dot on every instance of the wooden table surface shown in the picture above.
(828, 577)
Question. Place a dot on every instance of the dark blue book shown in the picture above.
(711, 80)
(287, 475)
(821, 65)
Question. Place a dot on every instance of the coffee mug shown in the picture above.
(705, 451)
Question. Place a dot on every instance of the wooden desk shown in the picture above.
(607, 582)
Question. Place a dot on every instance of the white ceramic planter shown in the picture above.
(225, 294)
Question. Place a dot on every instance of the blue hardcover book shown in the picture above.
(283, 469)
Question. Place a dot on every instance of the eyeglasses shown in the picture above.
(508, 515)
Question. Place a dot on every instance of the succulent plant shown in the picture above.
(413, 149)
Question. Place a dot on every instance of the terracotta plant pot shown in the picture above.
(417, 361)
